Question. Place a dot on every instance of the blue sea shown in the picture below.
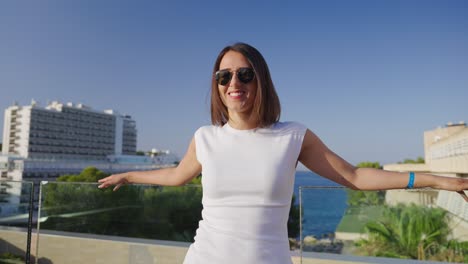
(322, 208)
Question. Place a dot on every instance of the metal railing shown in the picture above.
(154, 222)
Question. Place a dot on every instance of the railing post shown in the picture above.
(31, 207)
(39, 220)
(300, 220)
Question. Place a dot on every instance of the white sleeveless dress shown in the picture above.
(248, 180)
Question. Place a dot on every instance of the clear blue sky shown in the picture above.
(369, 77)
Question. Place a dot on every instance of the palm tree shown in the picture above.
(410, 232)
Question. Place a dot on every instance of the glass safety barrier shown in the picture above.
(396, 226)
(80, 223)
(16, 219)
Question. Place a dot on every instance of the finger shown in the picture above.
(117, 187)
(107, 178)
(462, 193)
(103, 179)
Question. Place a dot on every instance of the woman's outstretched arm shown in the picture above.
(187, 169)
(317, 157)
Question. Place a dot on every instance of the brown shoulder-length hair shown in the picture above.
(266, 108)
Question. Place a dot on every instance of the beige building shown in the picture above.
(446, 154)
(67, 131)
(42, 143)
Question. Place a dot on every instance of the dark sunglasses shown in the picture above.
(245, 75)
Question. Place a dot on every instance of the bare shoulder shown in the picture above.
(310, 140)
(189, 166)
(313, 149)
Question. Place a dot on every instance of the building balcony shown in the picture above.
(13, 145)
(79, 223)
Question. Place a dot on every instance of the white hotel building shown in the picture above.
(42, 143)
(446, 154)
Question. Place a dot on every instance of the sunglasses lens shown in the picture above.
(245, 75)
(223, 77)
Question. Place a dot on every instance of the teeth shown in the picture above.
(236, 93)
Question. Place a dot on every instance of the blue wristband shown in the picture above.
(411, 180)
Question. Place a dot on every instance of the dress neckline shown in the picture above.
(228, 127)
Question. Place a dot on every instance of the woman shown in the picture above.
(248, 159)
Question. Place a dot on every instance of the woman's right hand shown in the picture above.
(115, 179)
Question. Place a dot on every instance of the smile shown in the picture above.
(236, 93)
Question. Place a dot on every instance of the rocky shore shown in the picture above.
(312, 244)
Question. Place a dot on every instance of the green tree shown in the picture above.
(196, 180)
(141, 211)
(412, 232)
(89, 174)
(369, 164)
(293, 220)
(365, 198)
(140, 153)
(173, 212)
(418, 160)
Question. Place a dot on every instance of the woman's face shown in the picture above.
(237, 96)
